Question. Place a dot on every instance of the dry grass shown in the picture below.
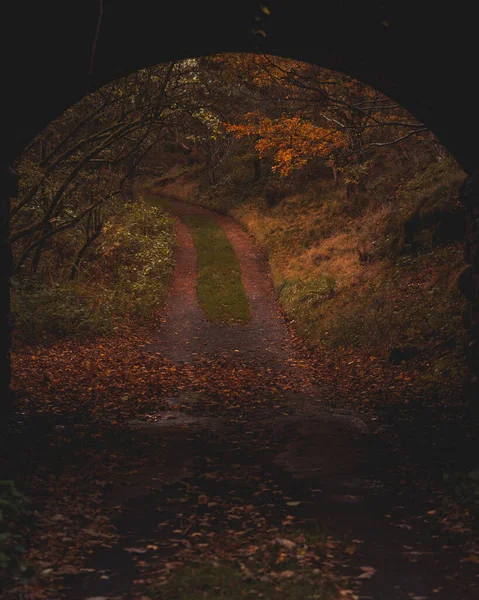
(343, 272)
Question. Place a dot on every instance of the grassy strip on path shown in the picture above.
(221, 294)
(220, 290)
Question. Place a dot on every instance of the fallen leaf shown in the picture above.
(367, 573)
(136, 550)
(286, 574)
(288, 544)
(473, 558)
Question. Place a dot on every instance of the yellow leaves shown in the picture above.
(289, 520)
(351, 549)
(292, 141)
(295, 141)
(472, 558)
(249, 127)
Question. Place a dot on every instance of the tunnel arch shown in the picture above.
(72, 48)
(56, 53)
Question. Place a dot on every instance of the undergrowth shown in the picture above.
(125, 275)
(13, 511)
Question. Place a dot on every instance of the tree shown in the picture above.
(303, 112)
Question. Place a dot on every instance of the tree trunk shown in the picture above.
(81, 253)
(257, 169)
(38, 252)
(94, 227)
(350, 189)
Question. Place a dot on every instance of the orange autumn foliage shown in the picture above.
(292, 141)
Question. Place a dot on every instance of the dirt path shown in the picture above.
(186, 335)
(250, 467)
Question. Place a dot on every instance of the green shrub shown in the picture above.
(143, 263)
(462, 493)
(309, 293)
(59, 308)
(305, 300)
(126, 274)
(13, 509)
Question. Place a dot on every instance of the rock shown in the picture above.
(400, 354)
(465, 282)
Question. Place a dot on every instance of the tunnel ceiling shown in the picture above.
(423, 55)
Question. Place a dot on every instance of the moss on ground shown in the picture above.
(221, 294)
(226, 582)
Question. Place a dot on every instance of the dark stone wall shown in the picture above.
(8, 189)
(401, 48)
(468, 283)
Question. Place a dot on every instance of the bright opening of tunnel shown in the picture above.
(239, 338)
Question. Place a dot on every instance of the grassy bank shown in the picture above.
(375, 269)
(125, 274)
(356, 276)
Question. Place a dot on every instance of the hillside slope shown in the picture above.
(370, 271)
